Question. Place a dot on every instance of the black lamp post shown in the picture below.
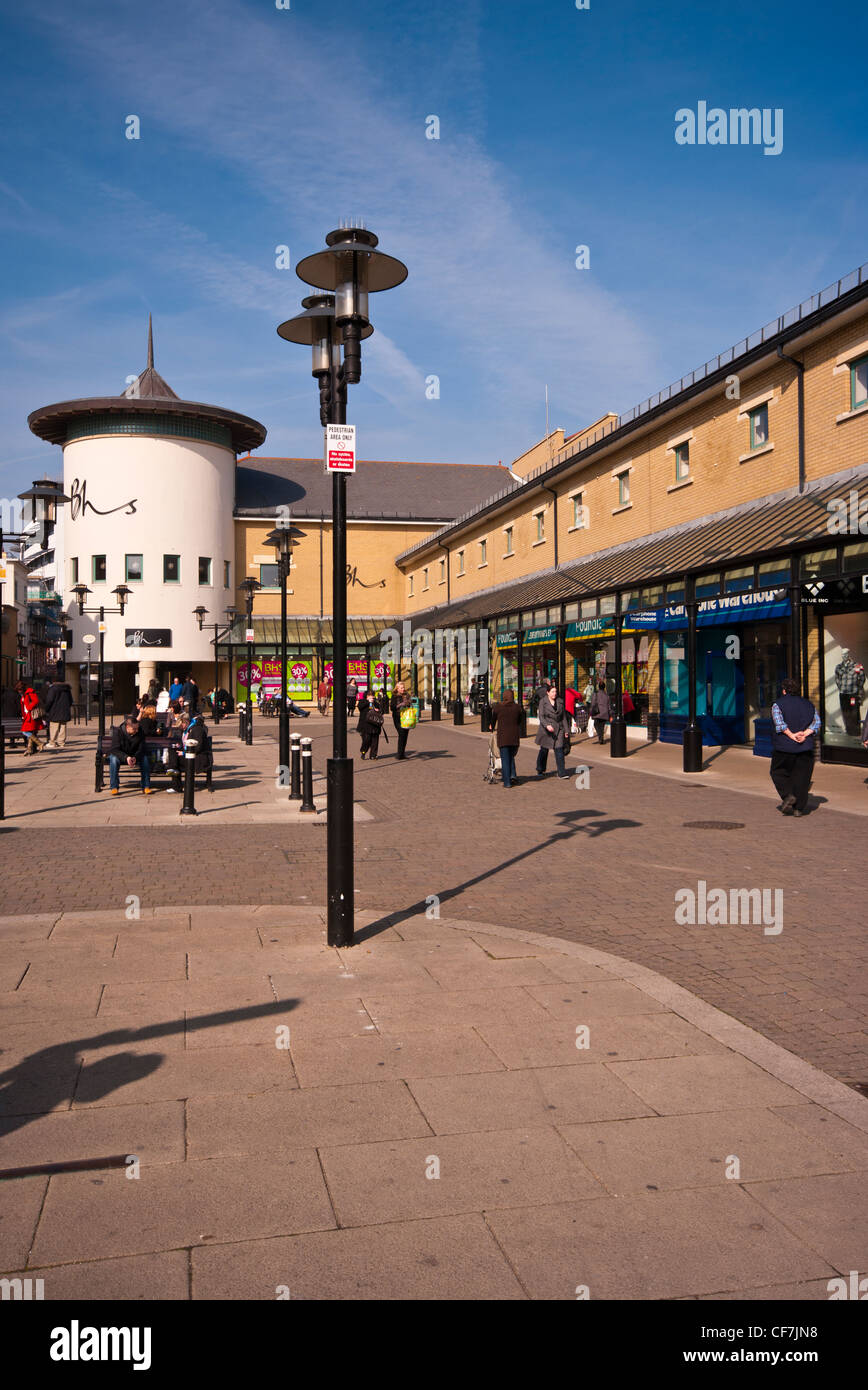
(249, 587)
(692, 736)
(231, 615)
(122, 592)
(281, 538)
(199, 615)
(351, 268)
(44, 497)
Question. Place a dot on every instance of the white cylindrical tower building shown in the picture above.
(151, 482)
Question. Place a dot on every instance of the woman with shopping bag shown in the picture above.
(403, 716)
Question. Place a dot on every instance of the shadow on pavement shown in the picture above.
(48, 1078)
(571, 826)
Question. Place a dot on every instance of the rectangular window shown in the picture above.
(607, 604)
(623, 488)
(133, 569)
(74, 563)
(204, 570)
(774, 573)
(98, 569)
(171, 569)
(674, 594)
(226, 575)
(708, 586)
(759, 426)
(540, 618)
(269, 576)
(425, 577)
(819, 564)
(855, 557)
(571, 613)
(632, 599)
(682, 462)
(859, 383)
(738, 581)
(442, 571)
(483, 553)
(540, 520)
(579, 521)
(411, 585)
(508, 534)
(461, 562)
(652, 597)
(589, 608)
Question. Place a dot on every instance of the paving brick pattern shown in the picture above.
(598, 865)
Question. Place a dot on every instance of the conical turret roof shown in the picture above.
(149, 385)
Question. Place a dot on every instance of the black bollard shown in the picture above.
(435, 709)
(307, 776)
(242, 714)
(295, 768)
(189, 806)
(458, 711)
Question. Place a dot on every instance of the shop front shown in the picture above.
(742, 654)
(539, 661)
(590, 647)
(840, 606)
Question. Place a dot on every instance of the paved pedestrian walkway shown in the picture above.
(448, 1110)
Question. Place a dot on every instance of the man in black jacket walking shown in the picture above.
(58, 707)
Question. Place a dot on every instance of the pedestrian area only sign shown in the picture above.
(340, 448)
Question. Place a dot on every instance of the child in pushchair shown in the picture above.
(493, 772)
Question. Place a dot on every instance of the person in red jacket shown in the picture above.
(30, 723)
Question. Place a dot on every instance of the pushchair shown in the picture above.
(493, 772)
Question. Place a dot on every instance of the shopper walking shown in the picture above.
(796, 722)
(506, 721)
(374, 726)
(322, 696)
(403, 716)
(58, 708)
(352, 695)
(552, 732)
(32, 717)
(190, 696)
(601, 709)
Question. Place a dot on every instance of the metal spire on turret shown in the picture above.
(150, 343)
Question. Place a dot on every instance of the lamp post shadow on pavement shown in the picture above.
(333, 319)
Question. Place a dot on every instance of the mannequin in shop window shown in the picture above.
(850, 680)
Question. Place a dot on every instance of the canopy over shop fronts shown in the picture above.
(309, 654)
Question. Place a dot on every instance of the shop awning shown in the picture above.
(308, 632)
(792, 521)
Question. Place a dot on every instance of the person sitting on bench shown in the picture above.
(128, 742)
(194, 729)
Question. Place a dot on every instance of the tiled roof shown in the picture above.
(378, 489)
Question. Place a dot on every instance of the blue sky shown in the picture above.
(262, 127)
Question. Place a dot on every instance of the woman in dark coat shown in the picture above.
(362, 722)
(601, 710)
(552, 732)
(506, 719)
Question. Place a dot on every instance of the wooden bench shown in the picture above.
(12, 731)
(156, 744)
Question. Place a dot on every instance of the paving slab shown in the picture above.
(140, 1073)
(439, 1259)
(543, 1096)
(678, 1085)
(153, 1132)
(676, 1151)
(20, 1206)
(661, 1245)
(181, 1204)
(321, 1061)
(138, 1278)
(374, 1183)
(830, 1214)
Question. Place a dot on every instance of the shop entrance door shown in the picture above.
(723, 692)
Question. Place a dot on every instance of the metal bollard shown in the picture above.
(295, 767)
(435, 709)
(458, 712)
(242, 716)
(189, 806)
(307, 775)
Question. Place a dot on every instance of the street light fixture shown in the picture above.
(249, 587)
(122, 593)
(199, 614)
(344, 275)
(281, 538)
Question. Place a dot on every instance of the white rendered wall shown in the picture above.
(183, 492)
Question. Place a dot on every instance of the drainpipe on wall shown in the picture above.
(800, 366)
(546, 488)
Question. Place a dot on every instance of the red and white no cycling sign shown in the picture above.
(340, 448)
